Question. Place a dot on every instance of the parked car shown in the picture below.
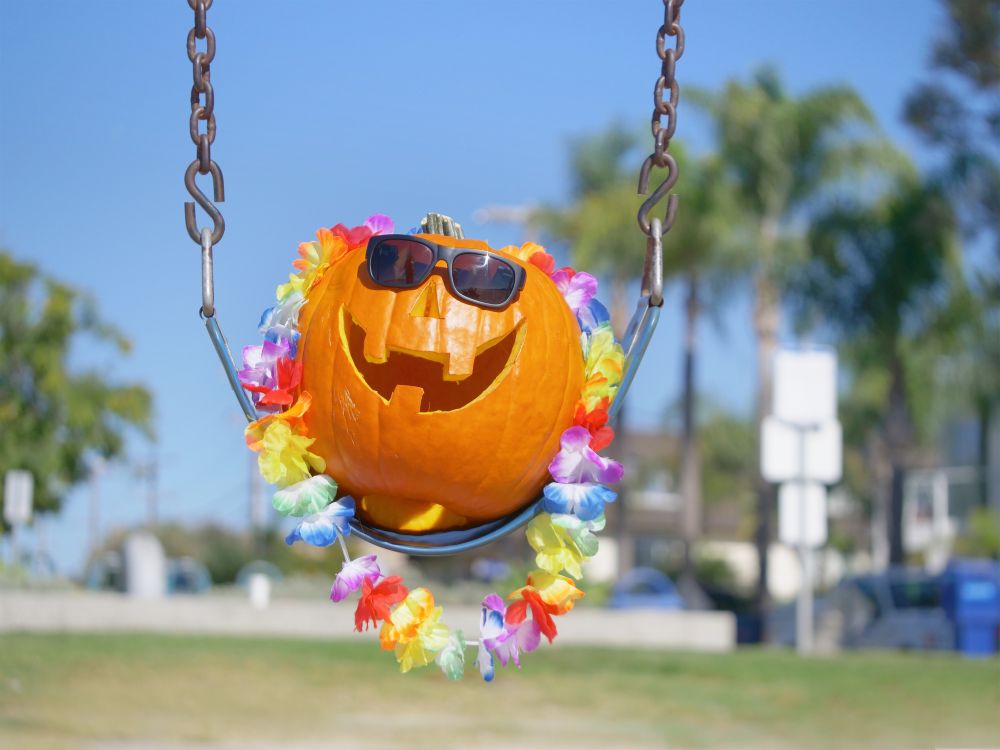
(645, 588)
(899, 609)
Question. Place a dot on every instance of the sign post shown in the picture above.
(801, 449)
(18, 493)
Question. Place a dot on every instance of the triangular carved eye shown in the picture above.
(428, 303)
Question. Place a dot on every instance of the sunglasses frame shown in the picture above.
(447, 253)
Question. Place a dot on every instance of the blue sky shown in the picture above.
(330, 111)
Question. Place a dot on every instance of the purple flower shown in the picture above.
(260, 364)
(352, 575)
(490, 628)
(586, 501)
(501, 639)
(379, 224)
(576, 288)
(507, 647)
(577, 463)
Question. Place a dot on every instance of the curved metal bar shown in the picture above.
(438, 544)
(637, 337)
(226, 358)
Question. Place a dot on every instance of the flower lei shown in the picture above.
(562, 536)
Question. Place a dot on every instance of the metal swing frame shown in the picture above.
(638, 333)
(437, 544)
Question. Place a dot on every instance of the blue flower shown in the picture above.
(594, 315)
(321, 529)
(586, 500)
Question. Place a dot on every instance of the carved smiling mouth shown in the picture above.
(427, 371)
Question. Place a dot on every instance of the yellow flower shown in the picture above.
(604, 356)
(556, 550)
(284, 459)
(414, 631)
(295, 284)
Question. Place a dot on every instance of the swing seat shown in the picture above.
(442, 543)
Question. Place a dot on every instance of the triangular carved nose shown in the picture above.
(428, 304)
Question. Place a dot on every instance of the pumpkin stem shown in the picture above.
(440, 224)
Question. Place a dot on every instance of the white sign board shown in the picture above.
(802, 514)
(145, 566)
(805, 386)
(818, 459)
(18, 493)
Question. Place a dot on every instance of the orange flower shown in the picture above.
(533, 253)
(559, 592)
(293, 416)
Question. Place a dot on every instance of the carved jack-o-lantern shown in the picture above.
(435, 412)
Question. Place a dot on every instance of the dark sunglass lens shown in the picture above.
(483, 278)
(401, 262)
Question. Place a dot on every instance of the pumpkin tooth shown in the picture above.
(375, 345)
(406, 398)
(461, 362)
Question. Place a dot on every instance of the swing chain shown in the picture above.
(203, 110)
(664, 123)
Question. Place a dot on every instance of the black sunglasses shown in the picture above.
(402, 261)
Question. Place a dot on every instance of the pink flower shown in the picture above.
(577, 463)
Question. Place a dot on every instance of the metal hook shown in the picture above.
(652, 274)
(667, 185)
(219, 193)
(207, 274)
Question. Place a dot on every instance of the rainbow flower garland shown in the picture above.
(563, 536)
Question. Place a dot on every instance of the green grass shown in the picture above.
(140, 691)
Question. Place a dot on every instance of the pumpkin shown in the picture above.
(432, 412)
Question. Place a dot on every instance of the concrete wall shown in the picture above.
(234, 615)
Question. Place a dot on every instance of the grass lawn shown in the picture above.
(153, 692)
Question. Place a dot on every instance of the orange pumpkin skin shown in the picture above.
(424, 433)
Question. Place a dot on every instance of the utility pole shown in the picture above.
(152, 491)
(94, 514)
(256, 504)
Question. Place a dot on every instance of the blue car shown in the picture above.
(645, 588)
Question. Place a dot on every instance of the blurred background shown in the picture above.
(840, 174)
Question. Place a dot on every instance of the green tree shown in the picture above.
(54, 420)
(958, 111)
(883, 276)
(786, 153)
(600, 226)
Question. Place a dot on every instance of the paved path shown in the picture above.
(233, 615)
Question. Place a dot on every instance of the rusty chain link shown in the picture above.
(203, 111)
(664, 123)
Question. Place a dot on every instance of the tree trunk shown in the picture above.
(766, 319)
(899, 438)
(690, 479)
(984, 415)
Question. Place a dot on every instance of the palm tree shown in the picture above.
(785, 153)
(885, 276)
(704, 253)
(600, 227)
